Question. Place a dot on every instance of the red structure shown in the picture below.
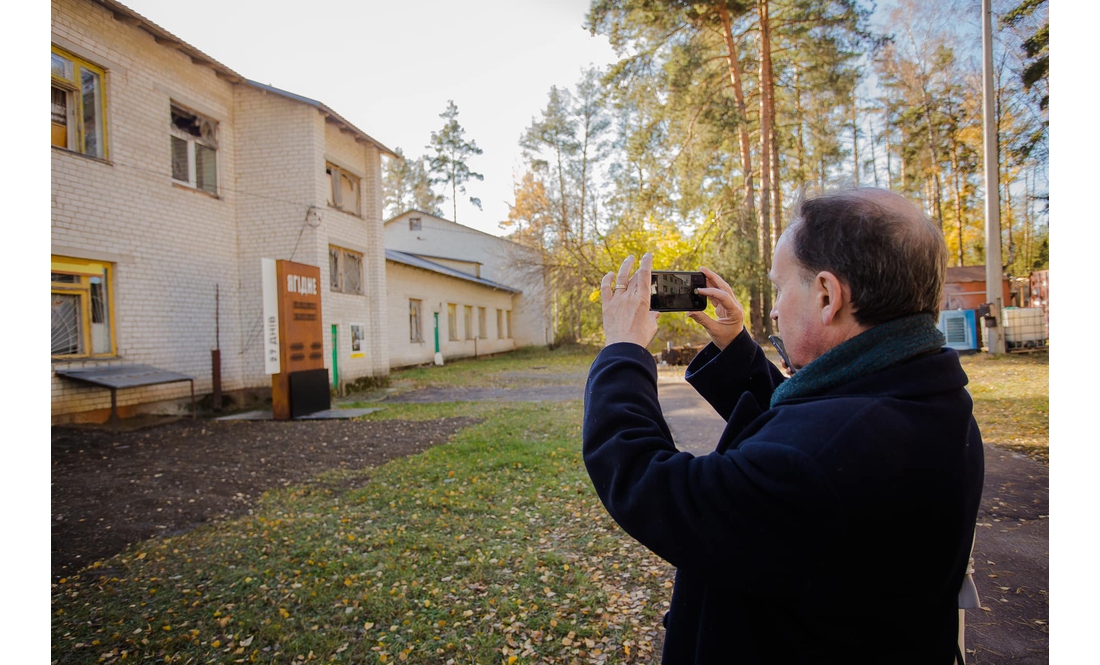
(965, 289)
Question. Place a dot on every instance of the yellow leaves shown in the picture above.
(216, 644)
(141, 555)
(283, 613)
(166, 627)
(368, 625)
(347, 581)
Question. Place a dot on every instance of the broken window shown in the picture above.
(194, 150)
(343, 189)
(414, 223)
(345, 270)
(76, 105)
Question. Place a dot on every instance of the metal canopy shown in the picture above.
(127, 376)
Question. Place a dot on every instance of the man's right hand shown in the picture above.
(731, 315)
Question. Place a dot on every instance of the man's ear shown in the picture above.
(832, 296)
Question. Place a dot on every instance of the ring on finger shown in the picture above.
(620, 287)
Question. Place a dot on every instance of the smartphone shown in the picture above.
(777, 342)
(676, 291)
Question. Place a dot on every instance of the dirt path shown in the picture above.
(109, 490)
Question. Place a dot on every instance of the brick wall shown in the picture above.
(172, 245)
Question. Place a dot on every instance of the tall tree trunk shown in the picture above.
(777, 192)
(799, 116)
(937, 210)
(958, 195)
(874, 159)
(855, 135)
(755, 306)
(889, 167)
(1029, 233)
(767, 167)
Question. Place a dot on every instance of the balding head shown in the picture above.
(891, 256)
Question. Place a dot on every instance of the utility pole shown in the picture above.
(994, 273)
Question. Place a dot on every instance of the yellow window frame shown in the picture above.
(84, 269)
(73, 86)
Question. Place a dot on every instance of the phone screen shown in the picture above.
(675, 291)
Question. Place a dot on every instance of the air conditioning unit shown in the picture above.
(1025, 328)
(960, 328)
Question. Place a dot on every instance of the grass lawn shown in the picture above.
(490, 549)
(1012, 400)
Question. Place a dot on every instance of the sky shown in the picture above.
(390, 67)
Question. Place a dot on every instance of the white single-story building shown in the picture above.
(489, 292)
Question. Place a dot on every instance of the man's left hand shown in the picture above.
(625, 299)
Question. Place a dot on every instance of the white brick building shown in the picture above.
(463, 267)
(172, 176)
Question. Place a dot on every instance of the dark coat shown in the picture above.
(828, 529)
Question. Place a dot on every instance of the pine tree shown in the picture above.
(452, 152)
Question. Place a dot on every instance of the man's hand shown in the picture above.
(625, 300)
(731, 315)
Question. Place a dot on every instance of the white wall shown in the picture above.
(170, 245)
(436, 291)
(503, 261)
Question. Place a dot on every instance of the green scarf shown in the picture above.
(876, 349)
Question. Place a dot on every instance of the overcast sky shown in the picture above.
(390, 67)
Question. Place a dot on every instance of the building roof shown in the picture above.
(966, 274)
(325, 111)
(431, 266)
(443, 219)
(124, 14)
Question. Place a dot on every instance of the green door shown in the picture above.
(335, 357)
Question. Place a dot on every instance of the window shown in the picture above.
(500, 324)
(414, 223)
(469, 322)
(81, 308)
(358, 340)
(481, 323)
(345, 270)
(508, 317)
(194, 150)
(415, 334)
(343, 190)
(77, 105)
(452, 322)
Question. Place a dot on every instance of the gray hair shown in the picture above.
(891, 256)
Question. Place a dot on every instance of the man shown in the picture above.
(834, 520)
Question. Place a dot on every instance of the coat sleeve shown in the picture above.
(763, 507)
(722, 376)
